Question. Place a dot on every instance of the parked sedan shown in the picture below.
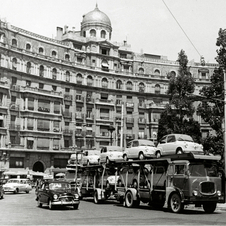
(90, 157)
(139, 149)
(57, 193)
(17, 185)
(177, 144)
(111, 154)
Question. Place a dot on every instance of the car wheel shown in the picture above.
(209, 207)
(39, 203)
(75, 206)
(129, 200)
(50, 205)
(2, 196)
(179, 151)
(141, 156)
(107, 160)
(158, 154)
(175, 203)
(16, 191)
(27, 191)
(125, 157)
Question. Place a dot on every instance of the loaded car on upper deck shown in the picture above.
(177, 144)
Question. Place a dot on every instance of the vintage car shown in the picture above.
(57, 193)
(17, 185)
(1, 191)
(111, 154)
(177, 144)
(90, 157)
(139, 149)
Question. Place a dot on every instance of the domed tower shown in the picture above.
(96, 24)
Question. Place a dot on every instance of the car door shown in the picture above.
(171, 144)
(135, 149)
(128, 149)
(22, 185)
(163, 145)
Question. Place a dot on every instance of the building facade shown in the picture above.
(79, 90)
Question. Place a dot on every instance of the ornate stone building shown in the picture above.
(59, 94)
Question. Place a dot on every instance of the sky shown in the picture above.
(161, 27)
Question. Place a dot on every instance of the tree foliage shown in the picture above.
(177, 115)
(211, 107)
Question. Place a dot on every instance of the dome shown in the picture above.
(96, 17)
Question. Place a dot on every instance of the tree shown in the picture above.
(211, 107)
(177, 116)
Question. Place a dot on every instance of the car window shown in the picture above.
(171, 138)
(179, 169)
(185, 138)
(135, 143)
(163, 140)
(129, 145)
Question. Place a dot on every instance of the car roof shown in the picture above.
(114, 148)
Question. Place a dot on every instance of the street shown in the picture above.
(21, 209)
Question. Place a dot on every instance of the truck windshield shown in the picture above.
(203, 170)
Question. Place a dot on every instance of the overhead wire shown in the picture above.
(181, 28)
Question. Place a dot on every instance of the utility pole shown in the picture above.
(224, 120)
(122, 125)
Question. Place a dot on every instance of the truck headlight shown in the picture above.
(195, 193)
(55, 196)
(219, 193)
(76, 196)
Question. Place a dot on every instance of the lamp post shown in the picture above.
(111, 129)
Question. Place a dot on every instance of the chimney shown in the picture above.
(59, 33)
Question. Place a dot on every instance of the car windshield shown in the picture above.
(185, 138)
(56, 186)
(147, 143)
(203, 170)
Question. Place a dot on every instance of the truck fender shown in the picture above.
(134, 193)
(169, 191)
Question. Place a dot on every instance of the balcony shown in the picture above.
(67, 132)
(14, 127)
(129, 120)
(141, 120)
(130, 136)
(67, 114)
(79, 115)
(68, 97)
(129, 104)
(42, 109)
(104, 102)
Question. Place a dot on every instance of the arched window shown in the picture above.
(79, 78)
(54, 54)
(54, 73)
(104, 83)
(67, 76)
(173, 74)
(28, 47)
(28, 68)
(40, 50)
(14, 42)
(67, 57)
(141, 87)
(89, 80)
(141, 71)
(14, 63)
(103, 34)
(157, 72)
(129, 85)
(157, 89)
(41, 70)
(118, 84)
(93, 33)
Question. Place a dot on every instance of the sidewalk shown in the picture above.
(221, 206)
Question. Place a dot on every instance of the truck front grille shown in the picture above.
(208, 188)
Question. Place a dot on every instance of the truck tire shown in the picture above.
(209, 207)
(129, 199)
(95, 198)
(175, 203)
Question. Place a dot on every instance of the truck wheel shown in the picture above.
(175, 203)
(129, 200)
(209, 207)
(95, 198)
(75, 206)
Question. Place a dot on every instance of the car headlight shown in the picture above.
(76, 196)
(55, 196)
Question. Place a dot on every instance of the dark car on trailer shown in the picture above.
(57, 193)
